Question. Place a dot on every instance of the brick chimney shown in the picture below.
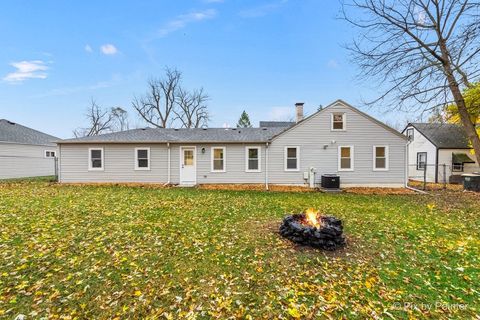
(299, 111)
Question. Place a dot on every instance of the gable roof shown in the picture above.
(270, 124)
(201, 135)
(15, 133)
(345, 104)
(444, 135)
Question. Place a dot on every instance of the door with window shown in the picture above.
(188, 174)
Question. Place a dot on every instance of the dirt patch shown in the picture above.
(380, 191)
(255, 187)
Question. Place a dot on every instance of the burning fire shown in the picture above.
(312, 217)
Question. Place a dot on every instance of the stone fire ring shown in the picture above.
(328, 237)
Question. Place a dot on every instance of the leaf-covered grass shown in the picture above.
(130, 252)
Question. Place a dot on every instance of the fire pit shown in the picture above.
(312, 229)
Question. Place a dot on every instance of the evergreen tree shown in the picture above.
(244, 121)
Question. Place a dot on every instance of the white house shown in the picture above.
(25, 152)
(439, 151)
(339, 139)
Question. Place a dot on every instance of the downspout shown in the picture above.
(407, 165)
(59, 177)
(436, 166)
(168, 164)
(266, 166)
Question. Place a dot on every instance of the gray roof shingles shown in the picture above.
(15, 133)
(270, 124)
(444, 135)
(207, 135)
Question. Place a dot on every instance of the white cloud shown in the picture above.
(183, 20)
(33, 69)
(88, 48)
(332, 63)
(281, 113)
(108, 49)
(262, 10)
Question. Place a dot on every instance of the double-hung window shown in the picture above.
(380, 158)
(339, 122)
(49, 154)
(95, 159)
(410, 134)
(252, 155)
(218, 159)
(142, 158)
(292, 158)
(345, 158)
(421, 160)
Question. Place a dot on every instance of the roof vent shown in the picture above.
(176, 129)
(204, 129)
(264, 128)
(10, 122)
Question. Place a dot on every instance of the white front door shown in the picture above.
(188, 174)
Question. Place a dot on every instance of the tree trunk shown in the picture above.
(460, 101)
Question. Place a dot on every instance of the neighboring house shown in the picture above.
(440, 152)
(25, 152)
(339, 139)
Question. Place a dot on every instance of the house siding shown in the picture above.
(119, 164)
(361, 133)
(22, 160)
(421, 144)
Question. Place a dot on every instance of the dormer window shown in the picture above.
(338, 122)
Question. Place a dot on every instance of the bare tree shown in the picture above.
(424, 51)
(99, 121)
(192, 110)
(157, 106)
(120, 119)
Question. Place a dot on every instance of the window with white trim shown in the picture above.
(95, 159)
(421, 160)
(49, 154)
(291, 158)
(410, 134)
(338, 122)
(142, 158)
(380, 158)
(218, 159)
(252, 155)
(345, 158)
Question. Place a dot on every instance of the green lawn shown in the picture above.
(131, 252)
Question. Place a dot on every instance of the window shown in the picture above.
(95, 159)
(291, 158)
(218, 159)
(410, 132)
(142, 158)
(345, 158)
(421, 160)
(380, 158)
(252, 159)
(457, 167)
(49, 154)
(338, 122)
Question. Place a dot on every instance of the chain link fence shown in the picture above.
(439, 176)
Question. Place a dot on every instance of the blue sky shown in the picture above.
(261, 56)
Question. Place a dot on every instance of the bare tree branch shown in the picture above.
(424, 52)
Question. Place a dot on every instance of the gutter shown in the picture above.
(266, 166)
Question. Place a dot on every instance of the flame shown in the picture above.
(312, 218)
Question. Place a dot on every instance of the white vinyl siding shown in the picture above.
(22, 160)
(142, 158)
(219, 159)
(292, 158)
(253, 161)
(95, 159)
(346, 158)
(380, 158)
